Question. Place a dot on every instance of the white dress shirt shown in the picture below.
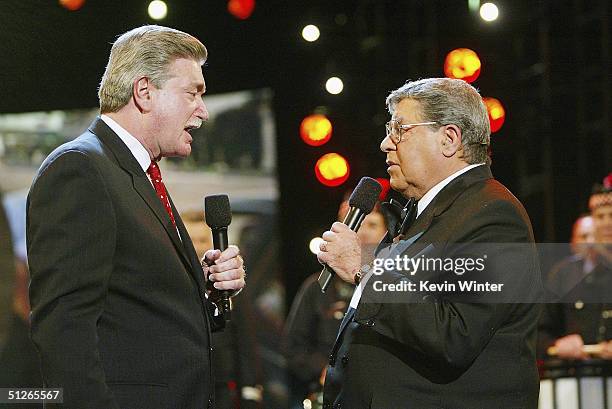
(433, 192)
(138, 150)
(421, 205)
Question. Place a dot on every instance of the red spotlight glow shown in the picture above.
(316, 130)
(332, 170)
(462, 64)
(241, 9)
(386, 185)
(72, 5)
(497, 113)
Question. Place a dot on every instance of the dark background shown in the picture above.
(547, 61)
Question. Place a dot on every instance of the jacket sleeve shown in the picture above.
(300, 336)
(71, 242)
(448, 332)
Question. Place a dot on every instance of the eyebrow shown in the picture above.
(197, 85)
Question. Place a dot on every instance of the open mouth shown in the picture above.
(190, 128)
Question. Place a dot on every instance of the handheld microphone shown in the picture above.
(218, 216)
(362, 201)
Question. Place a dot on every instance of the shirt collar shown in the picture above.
(138, 150)
(433, 192)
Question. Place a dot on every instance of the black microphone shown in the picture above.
(218, 216)
(362, 201)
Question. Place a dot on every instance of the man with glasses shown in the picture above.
(439, 350)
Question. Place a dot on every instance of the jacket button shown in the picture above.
(345, 360)
(327, 405)
(210, 404)
(332, 360)
(337, 406)
(370, 323)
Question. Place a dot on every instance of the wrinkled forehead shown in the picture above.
(406, 108)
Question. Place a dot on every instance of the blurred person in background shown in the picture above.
(236, 359)
(584, 314)
(18, 360)
(7, 275)
(570, 271)
(314, 317)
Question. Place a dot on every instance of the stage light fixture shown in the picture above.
(497, 113)
(489, 12)
(463, 64)
(386, 185)
(311, 33)
(314, 245)
(332, 170)
(72, 5)
(241, 9)
(316, 130)
(157, 10)
(334, 85)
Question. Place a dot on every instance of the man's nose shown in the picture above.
(202, 111)
(387, 145)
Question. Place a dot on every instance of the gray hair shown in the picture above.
(144, 51)
(450, 101)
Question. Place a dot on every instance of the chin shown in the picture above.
(398, 185)
(405, 189)
(184, 151)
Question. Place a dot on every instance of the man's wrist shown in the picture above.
(359, 274)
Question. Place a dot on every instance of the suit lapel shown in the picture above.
(441, 202)
(147, 193)
(348, 317)
(140, 182)
(388, 251)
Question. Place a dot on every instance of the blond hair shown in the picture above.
(145, 51)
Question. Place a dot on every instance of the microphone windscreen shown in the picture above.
(365, 195)
(217, 211)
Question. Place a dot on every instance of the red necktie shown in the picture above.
(156, 177)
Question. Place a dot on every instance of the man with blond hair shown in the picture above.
(121, 316)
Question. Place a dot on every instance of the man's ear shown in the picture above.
(141, 92)
(451, 140)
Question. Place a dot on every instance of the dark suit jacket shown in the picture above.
(441, 353)
(583, 306)
(119, 313)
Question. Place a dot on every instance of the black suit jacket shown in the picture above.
(581, 309)
(441, 353)
(119, 312)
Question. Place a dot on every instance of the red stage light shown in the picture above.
(332, 169)
(497, 113)
(241, 9)
(386, 185)
(462, 64)
(72, 5)
(316, 130)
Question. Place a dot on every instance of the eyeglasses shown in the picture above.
(395, 129)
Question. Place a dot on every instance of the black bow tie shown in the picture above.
(399, 219)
